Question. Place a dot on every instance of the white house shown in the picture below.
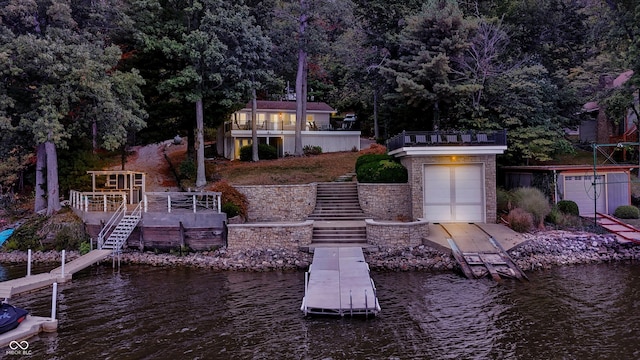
(276, 122)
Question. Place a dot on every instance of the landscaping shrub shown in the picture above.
(520, 220)
(383, 171)
(374, 149)
(265, 152)
(232, 199)
(503, 201)
(231, 209)
(312, 150)
(627, 212)
(369, 158)
(188, 169)
(568, 207)
(534, 202)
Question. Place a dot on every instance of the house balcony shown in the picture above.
(274, 127)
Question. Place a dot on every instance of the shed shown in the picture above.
(602, 189)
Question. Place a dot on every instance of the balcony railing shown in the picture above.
(447, 138)
(278, 126)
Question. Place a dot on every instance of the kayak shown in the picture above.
(4, 235)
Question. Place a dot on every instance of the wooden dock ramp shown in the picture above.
(479, 254)
(338, 283)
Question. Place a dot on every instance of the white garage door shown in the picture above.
(580, 190)
(454, 193)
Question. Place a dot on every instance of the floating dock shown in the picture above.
(338, 283)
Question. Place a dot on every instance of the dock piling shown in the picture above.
(29, 262)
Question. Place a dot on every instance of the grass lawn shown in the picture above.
(287, 171)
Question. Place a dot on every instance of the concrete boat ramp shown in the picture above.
(338, 283)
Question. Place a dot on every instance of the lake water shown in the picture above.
(140, 312)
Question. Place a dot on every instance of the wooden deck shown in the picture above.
(338, 283)
(10, 288)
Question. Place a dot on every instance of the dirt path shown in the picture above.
(150, 159)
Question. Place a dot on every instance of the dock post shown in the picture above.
(63, 256)
(54, 300)
(29, 262)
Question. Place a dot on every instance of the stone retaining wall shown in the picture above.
(396, 234)
(385, 201)
(290, 236)
(269, 203)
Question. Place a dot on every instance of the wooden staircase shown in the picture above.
(339, 220)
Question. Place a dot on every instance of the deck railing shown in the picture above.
(96, 201)
(447, 138)
(172, 201)
(151, 201)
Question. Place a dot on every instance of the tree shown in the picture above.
(311, 21)
(424, 73)
(215, 51)
(62, 80)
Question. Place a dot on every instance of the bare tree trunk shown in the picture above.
(376, 131)
(254, 126)
(301, 80)
(94, 136)
(53, 188)
(301, 100)
(201, 179)
(41, 157)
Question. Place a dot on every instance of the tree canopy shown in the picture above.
(90, 71)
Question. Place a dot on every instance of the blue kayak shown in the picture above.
(4, 235)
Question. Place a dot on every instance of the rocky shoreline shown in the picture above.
(542, 250)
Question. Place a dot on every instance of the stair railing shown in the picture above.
(135, 213)
(113, 222)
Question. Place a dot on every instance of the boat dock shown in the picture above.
(338, 283)
(33, 325)
(11, 288)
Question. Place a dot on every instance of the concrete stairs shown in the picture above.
(338, 218)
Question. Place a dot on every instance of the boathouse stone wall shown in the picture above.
(385, 201)
(397, 234)
(268, 203)
(290, 236)
(415, 165)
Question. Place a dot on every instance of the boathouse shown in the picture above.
(118, 213)
(452, 175)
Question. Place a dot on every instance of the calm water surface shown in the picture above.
(586, 312)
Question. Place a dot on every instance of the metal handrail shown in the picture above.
(112, 223)
(136, 212)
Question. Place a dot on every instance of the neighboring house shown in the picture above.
(452, 175)
(597, 128)
(276, 121)
(611, 188)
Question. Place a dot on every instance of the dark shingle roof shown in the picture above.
(291, 106)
